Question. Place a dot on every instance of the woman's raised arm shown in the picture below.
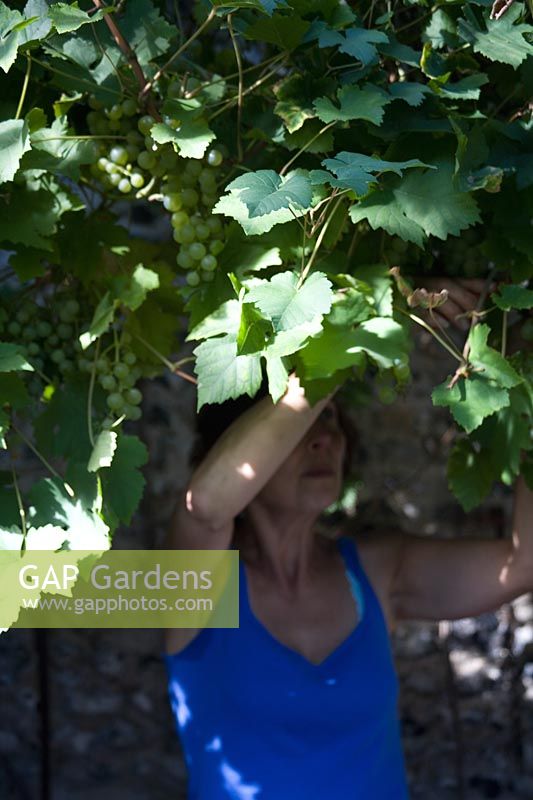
(238, 466)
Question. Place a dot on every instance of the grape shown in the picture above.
(115, 179)
(29, 333)
(214, 224)
(133, 396)
(214, 158)
(128, 358)
(124, 186)
(179, 219)
(145, 124)
(57, 356)
(119, 155)
(129, 107)
(71, 307)
(64, 330)
(33, 349)
(401, 371)
(114, 113)
(169, 159)
(53, 340)
(43, 329)
(172, 202)
(184, 260)
(197, 251)
(185, 234)
(208, 276)
(94, 103)
(202, 232)
(14, 328)
(146, 160)
(208, 263)
(66, 365)
(115, 401)
(192, 278)
(137, 180)
(23, 316)
(85, 365)
(132, 412)
(216, 247)
(102, 365)
(108, 382)
(121, 370)
(189, 197)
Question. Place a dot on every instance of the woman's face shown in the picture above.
(310, 478)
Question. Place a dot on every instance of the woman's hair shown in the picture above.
(213, 420)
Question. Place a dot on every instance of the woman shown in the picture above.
(300, 702)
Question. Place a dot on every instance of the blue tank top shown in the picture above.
(258, 721)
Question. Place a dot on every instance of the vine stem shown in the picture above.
(455, 353)
(22, 512)
(228, 103)
(24, 86)
(80, 81)
(148, 85)
(199, 89)
(68, 488)
(284, 169)
(504, 333)
(174, 368)
(238, 59)
(90, 394)
(318, 243)
(132, 60)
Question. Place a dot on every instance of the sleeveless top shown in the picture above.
(258, 721)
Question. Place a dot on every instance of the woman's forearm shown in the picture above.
(248, 453)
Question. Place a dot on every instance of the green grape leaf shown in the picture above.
(513, 296)
(53, 152)
(74, 527)
(222, 373)
(13, 390)
(428, 200)
(232, 206)
(14, 142)
(468, 88)
(295, 95)
(502, 40)
(287, 304)
(505, 434)
(471, 399)
(39, 23)
(377, 278)
(254, 330)
(277, 375)
(132, 291)
(470, 474)
(330, 352)
(69, 17)
(27, 262)
(224, 319)
(382, 210)
(103, 451)
(383, 339)
(267, 6)
(367, 103)
(356, 171)
(12, 358)
(31, 217)
(102, 318)
(242, 255)
(411, 93)
(264, 191)
(284, 31)
(350, 307)
(441, 30)
(356, 42)
(191, 139)
(61, 429)
(123, 482)
(493, 364)
(10, 19)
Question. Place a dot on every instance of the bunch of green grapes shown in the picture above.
(187, 187)
(47, 336)
(190, 195)
(117, 371)
(389, 383)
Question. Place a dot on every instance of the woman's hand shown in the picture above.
(463, 298)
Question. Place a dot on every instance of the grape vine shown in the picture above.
(312, 163)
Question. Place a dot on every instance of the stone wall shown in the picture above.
(111, 732)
